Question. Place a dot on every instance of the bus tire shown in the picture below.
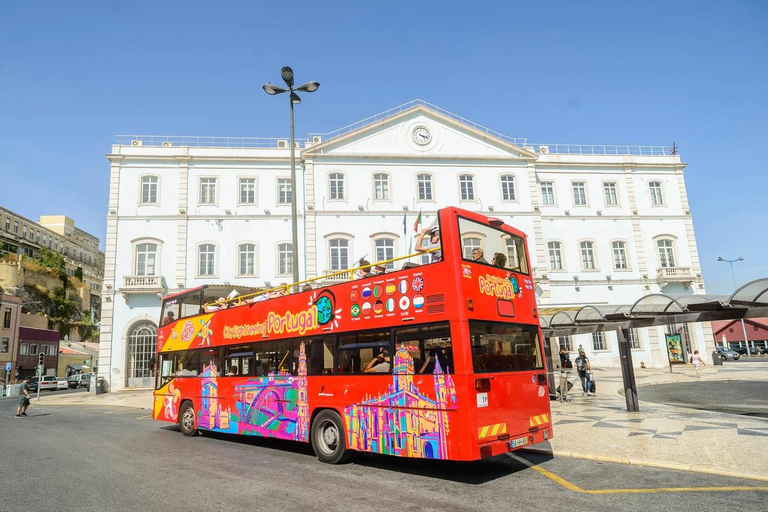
(328, 438)
(187, 419)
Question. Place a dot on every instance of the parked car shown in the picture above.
(726, 353)
(62, 383)
(741, 350)
(79, 380)
(49, 382)
(32, 386)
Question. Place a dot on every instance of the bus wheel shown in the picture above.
(328, 439)
(187, 419)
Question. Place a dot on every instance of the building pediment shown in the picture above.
(419, 132)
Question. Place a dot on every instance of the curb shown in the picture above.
(695, 468)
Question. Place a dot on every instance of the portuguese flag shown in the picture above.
(418, 222)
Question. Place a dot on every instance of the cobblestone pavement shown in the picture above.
(600, 428)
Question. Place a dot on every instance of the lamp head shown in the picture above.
(720, 258)
(287, 74)
(272, 89)
(309, 87)
(295, 98)
(740, 259)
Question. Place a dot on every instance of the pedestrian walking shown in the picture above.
(21, 410)
(697, 362)
(584, 368)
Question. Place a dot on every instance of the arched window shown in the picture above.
(384, 249)
(285, 259)
(424, 185)
(467, 187)
(338, 253)
(508, 188)
(381, 186)
(657, 199)
(142, 345)
(666, 252)
(206, 257)
(336, 186)
(247, 259)
(146, 259)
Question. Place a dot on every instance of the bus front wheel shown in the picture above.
(187, 419)
(328, 439)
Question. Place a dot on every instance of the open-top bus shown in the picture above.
(465, 378)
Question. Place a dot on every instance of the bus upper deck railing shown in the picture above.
(285, 289)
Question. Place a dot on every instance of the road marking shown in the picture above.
(575, 488)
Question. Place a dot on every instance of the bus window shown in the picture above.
(427, 345)
(356, 352)
(190, 303)
(319, 353)
(213, 356)
(499, 248)
(170, 312)
(503, 347)
(273, 357)
(238, 361)
(187, 363)
(165, 369)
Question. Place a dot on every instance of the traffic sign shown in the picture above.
(7, 367)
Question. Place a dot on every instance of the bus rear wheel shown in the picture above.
(187, 419)
(328, 439)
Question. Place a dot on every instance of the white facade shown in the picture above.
(183, 214)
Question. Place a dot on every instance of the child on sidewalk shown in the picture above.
(697, 361)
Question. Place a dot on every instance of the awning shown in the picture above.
(78, 366)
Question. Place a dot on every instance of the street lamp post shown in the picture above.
(287, 75)
(733, 277)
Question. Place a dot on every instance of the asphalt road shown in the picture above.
(92, 458)
(748, 398)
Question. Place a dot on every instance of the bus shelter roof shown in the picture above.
(748, 301)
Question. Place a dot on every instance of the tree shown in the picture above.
(50, 259)
(79, 273)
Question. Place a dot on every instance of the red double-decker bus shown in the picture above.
(440, 360)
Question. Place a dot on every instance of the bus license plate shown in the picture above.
(515, 443)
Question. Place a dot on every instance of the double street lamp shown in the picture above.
(733, 277)
(287, 75)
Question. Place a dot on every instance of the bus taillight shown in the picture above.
(483, 384)
(541, 379)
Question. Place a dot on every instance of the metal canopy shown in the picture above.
(748, 301)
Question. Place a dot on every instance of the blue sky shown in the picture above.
(75, 74)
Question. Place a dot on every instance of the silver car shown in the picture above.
(62, 383)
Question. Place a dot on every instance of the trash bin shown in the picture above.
(716, 359)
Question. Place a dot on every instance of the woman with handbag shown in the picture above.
(584, 368)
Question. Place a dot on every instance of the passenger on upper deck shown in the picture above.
(434, 241)
(478, 255)
(168, 318)
(499, 260)
(365, 268)
(379, 364)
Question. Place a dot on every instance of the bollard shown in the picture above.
(716, 359)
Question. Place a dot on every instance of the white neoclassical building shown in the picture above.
(606, 224)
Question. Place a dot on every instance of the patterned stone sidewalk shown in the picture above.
(600, 428)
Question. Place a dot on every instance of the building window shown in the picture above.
(339, 253)
(666, 253)
(547, 193)
(247, 190)
(55, 245)
(579, 193)
(37, 237)
(33, 349)
(149, 189)
(633, 339)
(555, 255)
(467, 187)
(424, 182)
(284, 193)
(207, 190)
(381, 186)
(513, 259)
(611, 196)
(656, 198)
(247, 260)
(336, 186)
(206, 257)
(24, 231)
(146, 259)
(285, 259)
(16, 227)
(565, 343)
(7, 318)
(24, 349)
(587, 255)
(469, 244)
(4, 345)
(142, 346)
(598, 341)
(45, 239)
(385, 250)
(619, 255)
(7, 223)
(508, 188)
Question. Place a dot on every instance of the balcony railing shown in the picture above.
(141, 283)
(675, 274)
(336, 276)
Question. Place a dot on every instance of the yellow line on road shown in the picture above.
(575, 488)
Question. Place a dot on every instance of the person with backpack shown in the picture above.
(584, 368)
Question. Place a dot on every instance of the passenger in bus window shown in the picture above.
(168, 318)
(499, 260)
(379, 269)
(379, 364)
(232, 371)
(434, 241)
(479, 256)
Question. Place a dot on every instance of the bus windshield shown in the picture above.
(501, 347)
(498, 248)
